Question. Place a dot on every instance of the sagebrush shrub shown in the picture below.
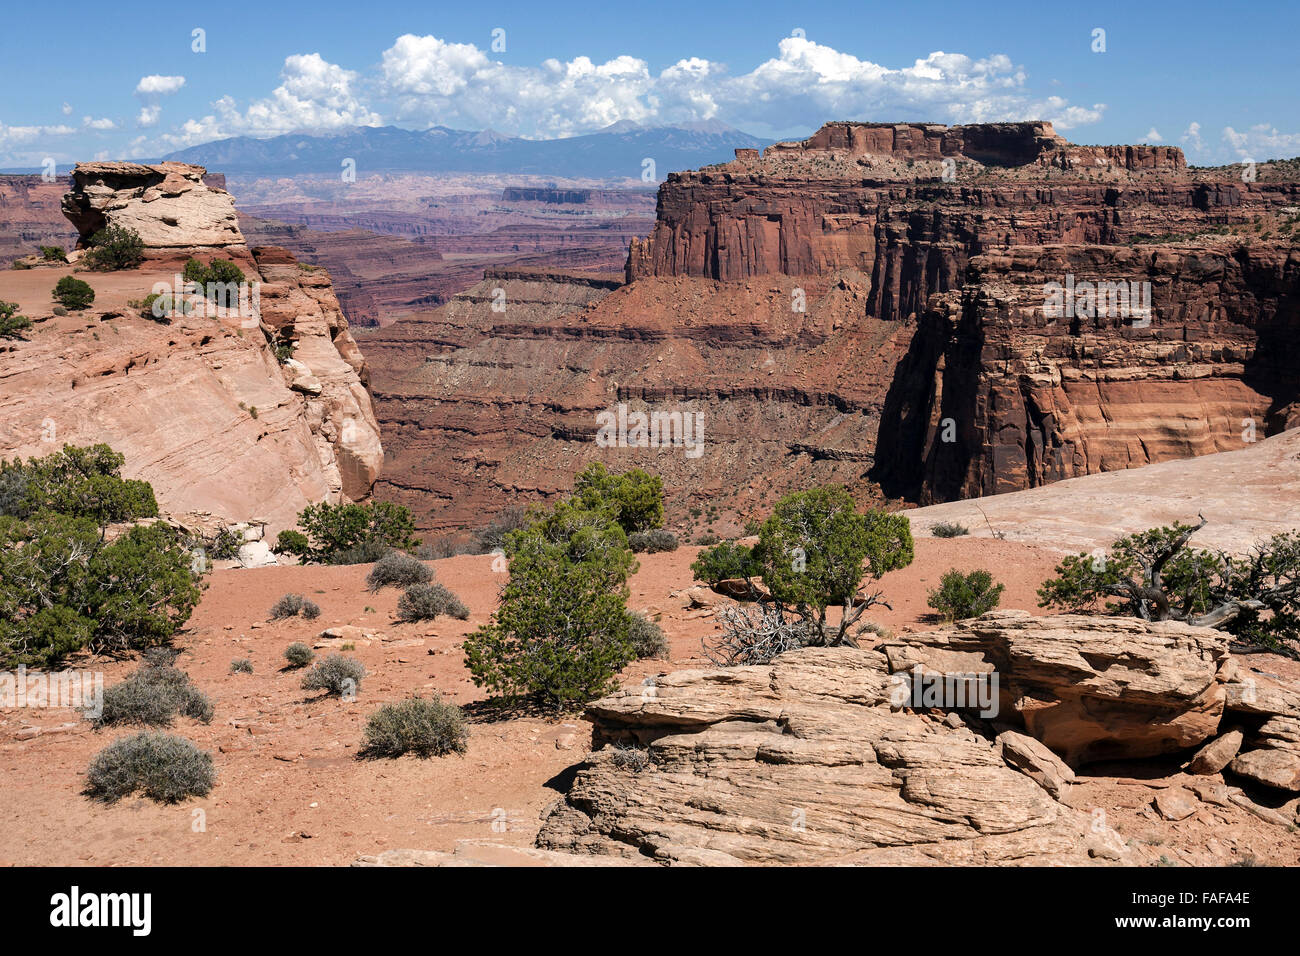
(650, 542)
(336, 675)
(299, 654)
(426, 728)
(160, 766)
(960, 596)
(425, 602)
(241, 665)
(396, 568)
(949, 529)
(646, 636)
(310, 609)
(288, 606)
(154, 696)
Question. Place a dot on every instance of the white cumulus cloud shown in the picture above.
(1262, 142)
(156, 85)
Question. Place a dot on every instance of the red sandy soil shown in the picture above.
(290, 789)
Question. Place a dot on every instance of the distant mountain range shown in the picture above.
(615, 152)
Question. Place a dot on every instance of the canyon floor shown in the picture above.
(291, 789)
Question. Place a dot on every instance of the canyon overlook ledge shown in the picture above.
(225, 427)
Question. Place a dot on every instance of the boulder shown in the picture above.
(1176, 803)
(166, 203)
(256, 554)
(1217, 754)
(1090, 688)
(804, 760)
(1276, 760)
(1035, 761)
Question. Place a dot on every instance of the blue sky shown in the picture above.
(1218, 80)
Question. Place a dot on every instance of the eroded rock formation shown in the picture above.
(806, 760)
(168, 204)
(201, 403)
(1090, 688)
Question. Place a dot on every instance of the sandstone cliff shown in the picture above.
(868, 307)
(201, 405)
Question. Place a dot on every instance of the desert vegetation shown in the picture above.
(160, 766)
(73, 294)
(114, 248)
(294, 605)
(349, 533)
(963, 595)
(65, 582)
(425, 728)
(1156, 576)
(11, 323)
(427, 601)
(154, 696)
(396, 569)
(561, 631)
(336, 675)
(813, 553)
(298, 655)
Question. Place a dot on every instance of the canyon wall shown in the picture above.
(202, 404)
(961, 229)
(869, 307)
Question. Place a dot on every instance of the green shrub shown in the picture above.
(336, 675)
(71, 293)
(426, 602)
(292, 542)
(225, 544)
(241, 665)
(725, 561)
(310, 609)
(299, 654)
(59, 310)
(647, 637)
(11, 324)
(53, 253)
(426, 728)
(655, 540)
(560, 632)
(65, 583)
(219, 280)
(160, 766)
(163, 306)
(352, 533)
(960, 596)
(399, 570)
(154, 696)
(949, 529)
(115, 247)
(634, 499)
